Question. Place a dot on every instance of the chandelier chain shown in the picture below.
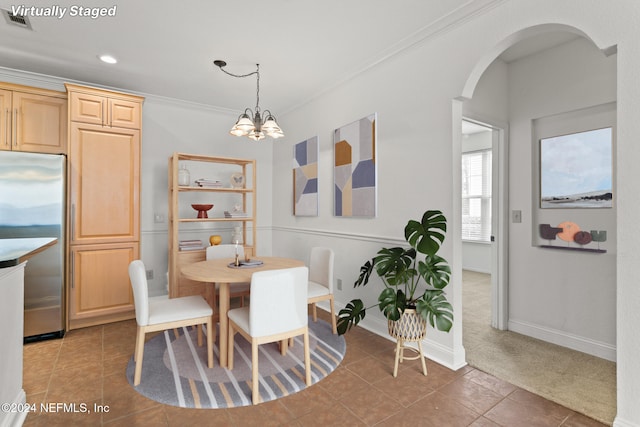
(257, 73)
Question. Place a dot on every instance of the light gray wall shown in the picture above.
(564, 297)
(417, 155)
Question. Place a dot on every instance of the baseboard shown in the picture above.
(564, 339)
(619, 422)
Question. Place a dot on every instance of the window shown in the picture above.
(476, 196)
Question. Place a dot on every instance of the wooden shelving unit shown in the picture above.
(178, 285)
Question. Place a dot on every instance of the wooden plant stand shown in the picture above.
(411, 327)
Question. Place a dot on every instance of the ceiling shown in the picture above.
(167, 48)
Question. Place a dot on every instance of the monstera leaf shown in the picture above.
(434, 307)
(394, 265)
(365, 272)
(349, 316)
(428, 235)
(392, 303)
(435, 271)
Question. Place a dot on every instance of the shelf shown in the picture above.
(214, 219)
(220, 190)
(181, 195)
(204, 158)
(574, 248)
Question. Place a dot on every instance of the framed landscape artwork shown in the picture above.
(576, 170)
(354, 171)
(305, 178)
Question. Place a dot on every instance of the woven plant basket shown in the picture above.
(410, 327)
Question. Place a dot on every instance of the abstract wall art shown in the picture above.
(354, 171)
(570, 232)
(576, 170)
(305, 178)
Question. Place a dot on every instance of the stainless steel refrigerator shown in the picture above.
(32, 204)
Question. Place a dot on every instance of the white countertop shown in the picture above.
(16, 251)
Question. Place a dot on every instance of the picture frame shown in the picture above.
(355, 169)
(305, 177)
(576, 170)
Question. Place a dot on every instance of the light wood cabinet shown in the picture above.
(104, 184)
(178, 285)
(104, 110)
(33, 119)
(104, 203)
(99, 282)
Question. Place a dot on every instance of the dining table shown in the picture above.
(223, 272)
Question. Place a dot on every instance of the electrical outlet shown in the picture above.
(339, 284)
(149, 274)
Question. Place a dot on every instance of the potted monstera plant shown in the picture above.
(414, 279)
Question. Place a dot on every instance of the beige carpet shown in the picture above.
(581, 382)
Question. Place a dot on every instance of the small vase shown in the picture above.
(184, 177)
(237, 235)
(215, 239)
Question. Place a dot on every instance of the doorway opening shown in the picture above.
(483, 234)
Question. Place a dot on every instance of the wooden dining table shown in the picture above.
(218, 271)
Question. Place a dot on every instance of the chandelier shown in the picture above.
(253, 124)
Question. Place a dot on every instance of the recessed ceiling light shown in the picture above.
(108, 59)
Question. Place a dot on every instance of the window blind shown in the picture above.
(476, 196)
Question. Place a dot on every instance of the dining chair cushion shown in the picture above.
(240, 316)
(316, 289)
(172, 309)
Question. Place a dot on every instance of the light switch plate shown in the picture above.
(516, 216)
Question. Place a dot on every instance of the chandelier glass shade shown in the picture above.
(254, 124)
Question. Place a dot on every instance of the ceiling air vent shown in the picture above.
(21, 21)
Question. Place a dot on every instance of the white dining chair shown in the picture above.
(161, 313)
(276, 313)
(237, 290)
(320, 287)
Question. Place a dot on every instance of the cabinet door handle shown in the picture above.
(15, 129)
(73, 270)
(73, 221)
(7, 132)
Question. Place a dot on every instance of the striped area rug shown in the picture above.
(174, 370)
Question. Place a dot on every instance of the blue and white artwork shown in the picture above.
(354, 172)
(305, 178)
(576, 170)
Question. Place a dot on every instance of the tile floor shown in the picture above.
(87, 367)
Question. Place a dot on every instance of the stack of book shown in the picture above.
(190, 245)
(209, 183)
(235, 214)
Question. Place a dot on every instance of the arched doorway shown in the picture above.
(520, 214)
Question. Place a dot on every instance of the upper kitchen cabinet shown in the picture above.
(33, 119)
(103, 107)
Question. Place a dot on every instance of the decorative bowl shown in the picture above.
(202, 210)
